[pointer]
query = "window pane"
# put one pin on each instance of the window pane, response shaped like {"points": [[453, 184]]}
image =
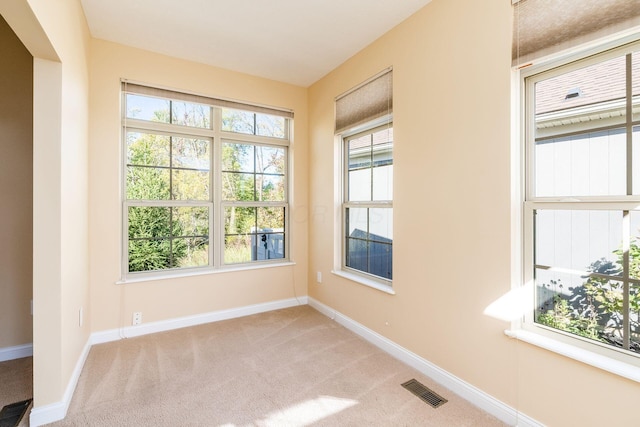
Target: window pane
{"points": [[238, 121], [268, 246], [591, 164], [191, 114], [587, 241], [190, 185], [381, 224], [634, 317], [191, 222], [238, 249], [190, 252], [267, 125], [191, 153], [635, 76], [360, 152], [369, 240], [579, 305], [239, 220], [634, 245], [147, 108], [145, 222], [380, 259], [360, 185], [238, 186], [270, 188], [238, 157], [383, 183], [145, 183], [147, 149], [270, 160], [149, 255], [561, 100], [357, 222], [270, 219], [357, 254], [636, 160]]}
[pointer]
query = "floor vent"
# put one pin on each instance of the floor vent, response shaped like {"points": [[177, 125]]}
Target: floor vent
{"points": [[424, 393], [11, 415]]}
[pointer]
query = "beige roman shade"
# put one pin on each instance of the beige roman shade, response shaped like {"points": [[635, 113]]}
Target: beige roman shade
{"points": [[544, 27], [368, 101]]}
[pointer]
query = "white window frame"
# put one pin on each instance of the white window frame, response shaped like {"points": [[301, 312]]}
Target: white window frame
{"points": [[615, 360], [368, 279], [215, 204]]}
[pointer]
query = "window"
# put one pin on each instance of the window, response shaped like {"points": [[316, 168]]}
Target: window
{"points": [[368, 210], [364, 123], [205, 185], [582, 200]]}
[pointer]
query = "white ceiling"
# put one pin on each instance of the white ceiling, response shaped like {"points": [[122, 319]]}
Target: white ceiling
{"points": [[293, 41]]}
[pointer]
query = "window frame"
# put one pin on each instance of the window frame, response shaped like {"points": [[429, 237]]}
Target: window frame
{"points": [[365, 278], [215, 203], [616, 360]]}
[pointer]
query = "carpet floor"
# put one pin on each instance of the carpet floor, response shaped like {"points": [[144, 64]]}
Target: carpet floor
{"points": [[291, 367], [16, 383]]}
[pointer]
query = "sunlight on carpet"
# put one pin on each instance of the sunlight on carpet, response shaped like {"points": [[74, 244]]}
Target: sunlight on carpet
{"points": [[306, 413]]}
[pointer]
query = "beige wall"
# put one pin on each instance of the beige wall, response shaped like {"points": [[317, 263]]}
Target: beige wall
{"points": [[56, 34], [112, 305], [16, 193], [452, 257]]}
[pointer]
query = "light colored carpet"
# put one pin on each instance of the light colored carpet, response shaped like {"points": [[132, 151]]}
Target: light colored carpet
{"points": [[292, 367], [16, 383]]}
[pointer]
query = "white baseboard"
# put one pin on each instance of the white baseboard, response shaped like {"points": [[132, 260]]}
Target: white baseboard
{"points": [[16, 352], [56, 411], [198, 319], [463, 389]]}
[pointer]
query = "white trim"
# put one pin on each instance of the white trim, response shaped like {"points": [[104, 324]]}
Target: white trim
{"points": [[591, 358], [198, 319], [186, 272], [463, 389], [361, 279], [16, 352], [57, 411]]}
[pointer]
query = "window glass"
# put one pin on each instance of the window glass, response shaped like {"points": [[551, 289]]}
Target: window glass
{"points": [[253, 123], [148, 108], [368, 195]]}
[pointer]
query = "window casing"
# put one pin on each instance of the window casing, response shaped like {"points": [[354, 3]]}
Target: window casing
{"points": [[367, 208], [581, 210], [205, 183]]}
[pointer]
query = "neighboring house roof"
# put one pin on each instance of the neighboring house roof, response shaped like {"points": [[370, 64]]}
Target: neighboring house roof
{"points": [[574, 101]]}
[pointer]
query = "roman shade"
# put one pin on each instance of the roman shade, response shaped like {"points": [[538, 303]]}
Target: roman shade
{"points": [[368, 101], [545, 27]]}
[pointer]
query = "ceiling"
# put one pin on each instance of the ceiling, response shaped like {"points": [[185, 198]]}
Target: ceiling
{"points": [[293, 41]]}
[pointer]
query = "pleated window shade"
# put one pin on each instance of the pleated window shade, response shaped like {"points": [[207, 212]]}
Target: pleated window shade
{"points": [[371, 100], [199, 99], [545, 27]]}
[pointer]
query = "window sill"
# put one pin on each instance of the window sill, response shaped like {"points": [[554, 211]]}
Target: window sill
{"points": [[365, 281], [199, 272], [618, 367]]}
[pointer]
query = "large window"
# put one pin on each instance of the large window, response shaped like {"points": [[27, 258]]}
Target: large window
{"points": [[582, 199], [205, 185]]}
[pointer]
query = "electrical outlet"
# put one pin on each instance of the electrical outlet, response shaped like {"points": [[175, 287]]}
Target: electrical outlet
{"points": [[319, 277], [80, 317], [137, 318]]}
